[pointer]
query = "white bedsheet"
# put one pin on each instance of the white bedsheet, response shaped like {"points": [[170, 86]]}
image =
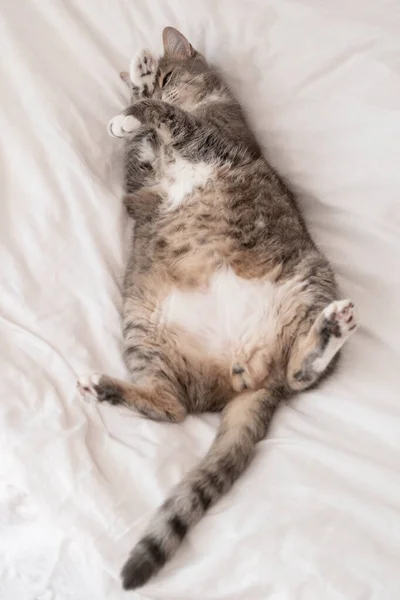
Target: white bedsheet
{"points": [[317, 516]]}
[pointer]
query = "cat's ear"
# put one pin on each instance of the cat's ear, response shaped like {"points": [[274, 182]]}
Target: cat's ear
{"points": [[176, 45], [126, 78]]}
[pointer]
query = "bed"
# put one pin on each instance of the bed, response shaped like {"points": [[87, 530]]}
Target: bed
{"points": [[317, 515]]}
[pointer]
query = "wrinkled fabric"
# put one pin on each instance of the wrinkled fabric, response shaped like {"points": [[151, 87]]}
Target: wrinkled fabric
{"points": [[317, 515]]}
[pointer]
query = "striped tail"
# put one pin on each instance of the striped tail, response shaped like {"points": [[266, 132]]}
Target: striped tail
{"points": [[244, 422]]}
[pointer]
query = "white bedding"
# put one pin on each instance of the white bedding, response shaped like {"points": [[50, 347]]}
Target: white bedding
{"points": [[317, 516]]}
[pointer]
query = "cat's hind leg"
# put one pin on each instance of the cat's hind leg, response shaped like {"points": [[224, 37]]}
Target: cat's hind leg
{"points": [[154, 389], [314, 352], [156, 402]]}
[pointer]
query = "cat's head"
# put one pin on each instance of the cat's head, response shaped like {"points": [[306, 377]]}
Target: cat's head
{"points": [[181, 70], [183, 76]]}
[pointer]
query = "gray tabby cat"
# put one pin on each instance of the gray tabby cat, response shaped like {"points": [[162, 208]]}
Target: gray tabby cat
{"points": [[228, 304]]}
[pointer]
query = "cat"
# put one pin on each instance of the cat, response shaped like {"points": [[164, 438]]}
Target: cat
{"points": [[228, 304]]}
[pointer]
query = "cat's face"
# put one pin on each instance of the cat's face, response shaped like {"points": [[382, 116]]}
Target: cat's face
{"points": [[180, 78], [179, 75]]}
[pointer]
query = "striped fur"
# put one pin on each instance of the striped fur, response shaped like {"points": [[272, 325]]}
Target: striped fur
{"points": [[228, 304], [244, 422]]}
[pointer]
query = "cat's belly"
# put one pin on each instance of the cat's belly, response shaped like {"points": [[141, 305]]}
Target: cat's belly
{"points": [[232, 315]]}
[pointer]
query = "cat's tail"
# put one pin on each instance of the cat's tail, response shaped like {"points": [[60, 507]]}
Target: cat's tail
{"points": [[244, 422]]}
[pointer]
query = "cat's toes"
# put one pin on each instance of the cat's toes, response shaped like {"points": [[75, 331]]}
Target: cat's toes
{"points": [[101, 388], [340, 318], [237, 378], [86, 385], [241, 378], [249, 372], [143, 70], [122, 126]]}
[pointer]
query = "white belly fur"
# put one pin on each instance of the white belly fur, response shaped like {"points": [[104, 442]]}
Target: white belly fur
{"points": [[232, 315]]}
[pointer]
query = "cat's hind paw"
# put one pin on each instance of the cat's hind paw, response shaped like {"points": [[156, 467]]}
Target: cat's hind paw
{"points": [[340, 319], [249, 372], [100, 388], [86, 386], [242, 378]]}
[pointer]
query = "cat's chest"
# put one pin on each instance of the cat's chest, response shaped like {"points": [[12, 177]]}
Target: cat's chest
{"points": [[180, 178]]}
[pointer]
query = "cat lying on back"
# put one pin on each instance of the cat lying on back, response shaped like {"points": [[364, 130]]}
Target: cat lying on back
{"points": [[228, 304]]}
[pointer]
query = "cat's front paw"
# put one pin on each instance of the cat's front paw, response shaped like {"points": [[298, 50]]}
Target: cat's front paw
{"points": [[122, 126], [143, 71]]}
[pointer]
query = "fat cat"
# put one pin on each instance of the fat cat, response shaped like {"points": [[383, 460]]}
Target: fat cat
{"points": [[229, 306]]}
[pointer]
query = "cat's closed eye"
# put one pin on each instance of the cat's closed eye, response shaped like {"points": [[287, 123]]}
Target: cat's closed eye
{"points": [[166, 78]]}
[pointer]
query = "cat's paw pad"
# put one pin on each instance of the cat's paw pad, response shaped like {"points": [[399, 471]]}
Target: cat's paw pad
{"points": [[143, 70], [122, 126], [87, 384], [340, 318]]}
